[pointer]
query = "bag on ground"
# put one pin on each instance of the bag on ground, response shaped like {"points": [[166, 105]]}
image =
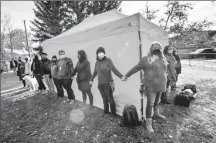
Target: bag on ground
{"points": [[130, 116], [182, 99]]}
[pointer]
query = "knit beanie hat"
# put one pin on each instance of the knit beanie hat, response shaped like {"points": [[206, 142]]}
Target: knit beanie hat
{"points": [[54, 57], [100, 49]]}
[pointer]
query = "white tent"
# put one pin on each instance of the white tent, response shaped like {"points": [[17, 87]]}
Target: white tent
{"points": [[125, 39]]}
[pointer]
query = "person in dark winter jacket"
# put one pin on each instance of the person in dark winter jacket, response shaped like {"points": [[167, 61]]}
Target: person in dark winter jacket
{"points": [[54, 74], [46, 65], [171, 73], [21, 71], [83, 76], [13, 65], [37, 68], [177, 65], [154, 66], [65, 70], [103, 68]]}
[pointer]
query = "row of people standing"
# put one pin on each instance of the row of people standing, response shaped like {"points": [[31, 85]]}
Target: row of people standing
{"points": [[155, 66]]}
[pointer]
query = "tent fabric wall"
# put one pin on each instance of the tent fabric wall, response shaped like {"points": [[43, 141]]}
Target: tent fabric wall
{"points": [[119, 36]]}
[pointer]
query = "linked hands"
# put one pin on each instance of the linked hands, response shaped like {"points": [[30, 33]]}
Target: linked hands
{"points": [[124, 78]]}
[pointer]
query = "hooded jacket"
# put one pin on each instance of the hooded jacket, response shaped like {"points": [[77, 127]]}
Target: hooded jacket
{"points": [[64, 68]]}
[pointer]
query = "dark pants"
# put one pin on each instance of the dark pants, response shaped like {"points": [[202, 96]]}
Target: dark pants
{"points": [[89, 95], [66, 83], [164, 95], [40, 82], [24, 83], [57, 85], [107, 96]]}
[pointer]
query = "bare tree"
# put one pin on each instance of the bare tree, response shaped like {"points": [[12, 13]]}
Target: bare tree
{"points": [[149, 13], [6, 27]]}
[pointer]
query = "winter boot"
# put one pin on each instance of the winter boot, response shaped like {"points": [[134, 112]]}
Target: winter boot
{"points": [[157, 113], [149, 125]]}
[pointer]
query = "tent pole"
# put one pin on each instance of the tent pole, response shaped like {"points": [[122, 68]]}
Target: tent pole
{"points": [[141, 75]]}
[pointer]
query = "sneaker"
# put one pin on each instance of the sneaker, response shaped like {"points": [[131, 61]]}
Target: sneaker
{"points": [[71, 101]]}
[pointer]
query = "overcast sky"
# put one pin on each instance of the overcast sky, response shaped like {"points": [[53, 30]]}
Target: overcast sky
{"points": [[23, 10]]}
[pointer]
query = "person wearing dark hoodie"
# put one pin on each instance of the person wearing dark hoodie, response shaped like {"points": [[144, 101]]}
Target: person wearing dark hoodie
{"points": [[37, 68], [154, 66], [83, 71], [171, 73], [65, 71], [21, 71], [177, 65], [103, 68]]}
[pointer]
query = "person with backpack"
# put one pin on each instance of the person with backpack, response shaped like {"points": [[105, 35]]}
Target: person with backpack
{"points": [[171, 73], [103, 68], [65, 71], [177, 65], [47, 78], [154, 66], [83, 71]]}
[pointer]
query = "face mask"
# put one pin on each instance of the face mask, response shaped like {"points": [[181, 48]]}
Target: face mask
{"points": [[26, 59], [170, 51], [78, 56], [156, 52], [61, 56], [101, 55]]}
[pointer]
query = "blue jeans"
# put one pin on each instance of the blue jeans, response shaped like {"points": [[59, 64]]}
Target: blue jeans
{"points": [[153, 99]]}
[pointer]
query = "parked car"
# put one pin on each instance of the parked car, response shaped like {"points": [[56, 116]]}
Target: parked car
{"points": [[203, 53]]}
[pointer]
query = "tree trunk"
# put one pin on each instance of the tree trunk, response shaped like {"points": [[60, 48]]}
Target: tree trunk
{"points": [[169, 16]]}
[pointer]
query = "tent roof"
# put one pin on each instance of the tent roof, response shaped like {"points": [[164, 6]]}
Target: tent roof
{"points": [[108, 24]]}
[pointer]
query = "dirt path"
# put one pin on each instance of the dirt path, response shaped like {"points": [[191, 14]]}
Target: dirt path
{"points": [[45, 118]]}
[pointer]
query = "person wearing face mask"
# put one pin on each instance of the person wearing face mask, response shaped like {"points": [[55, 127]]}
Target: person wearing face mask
{"points": [[21, 71], [65, 71], [54, 74], [171, 73], [83, 76], [103, 68], [46, 65], [154, 66]]}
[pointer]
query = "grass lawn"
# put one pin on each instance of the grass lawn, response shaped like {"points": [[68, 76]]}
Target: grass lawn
{"points": [[46, 119]]}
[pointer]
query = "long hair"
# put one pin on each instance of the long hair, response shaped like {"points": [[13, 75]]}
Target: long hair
{"points": [[166, 48], [82, 54], [151, 58]]}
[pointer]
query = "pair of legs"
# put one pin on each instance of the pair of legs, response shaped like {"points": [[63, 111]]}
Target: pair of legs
{"points": [[40, 82], [107, 96], [153, 99], [88, 91], [66, 84], [48, 83], [164, 95]]}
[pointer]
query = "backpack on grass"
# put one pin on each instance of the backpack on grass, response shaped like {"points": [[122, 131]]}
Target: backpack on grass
{"points": [[130, 116]]}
